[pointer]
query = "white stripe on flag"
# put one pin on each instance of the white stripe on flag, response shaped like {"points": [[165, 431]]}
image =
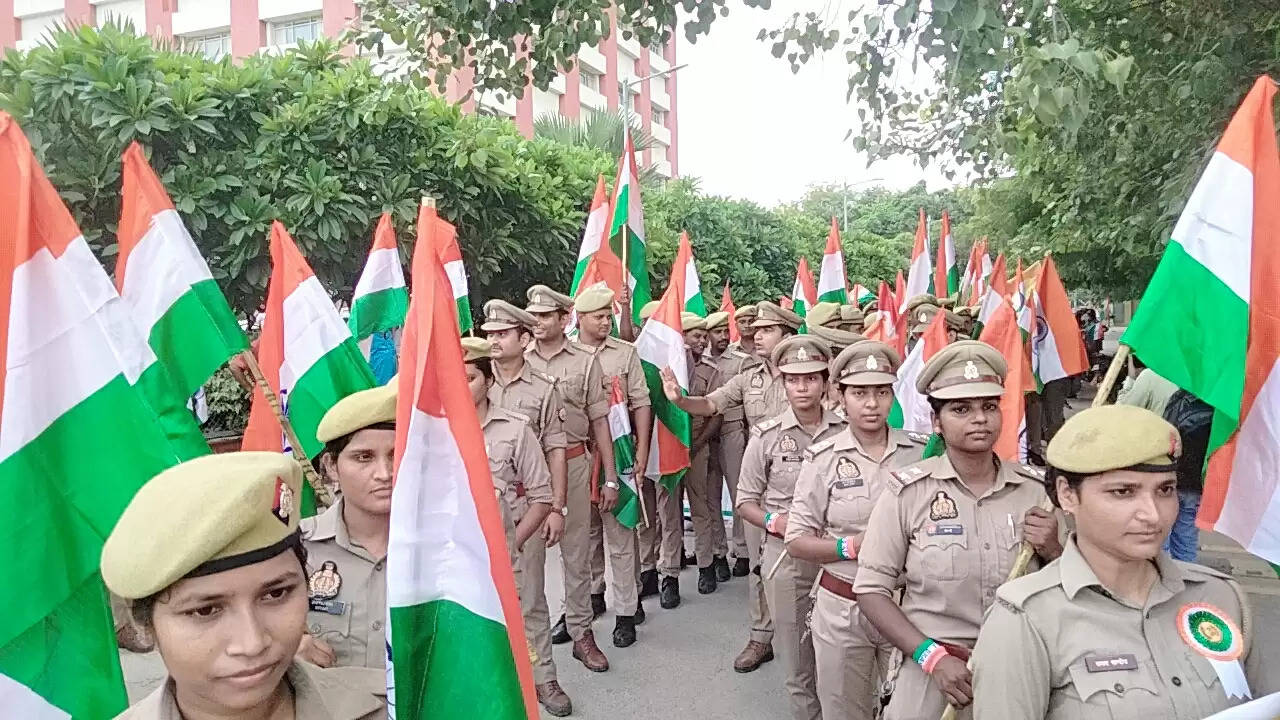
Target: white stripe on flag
{"points": [[162, 268], [382, 272], [66, 322], [597, 222], [831, 274], [312, 327], [457, 278], [20, 701], [919, 279], [1253, 477], [662, 346], [440, 551], [1220, 235], [917, 415], [1045, 358], [692, 287]]}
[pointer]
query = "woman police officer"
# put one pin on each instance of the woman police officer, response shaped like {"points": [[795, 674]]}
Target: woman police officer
{"points": [[1115, 628]]}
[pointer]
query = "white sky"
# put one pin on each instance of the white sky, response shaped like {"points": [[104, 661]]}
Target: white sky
{"points": [[749, 128]]}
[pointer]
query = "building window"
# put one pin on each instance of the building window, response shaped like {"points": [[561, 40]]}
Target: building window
{"points": [[659, 116], [590, 78], [214, 47], [292, 32]]}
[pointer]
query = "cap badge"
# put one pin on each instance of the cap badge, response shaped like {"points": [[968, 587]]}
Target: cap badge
{"points": [[788, 444], [970, 370], [846, 469], [325, 583], [283, 506], [871, 363], [802, 355], [757, 381], [1174, 452], [923, 316], [943, 507]]}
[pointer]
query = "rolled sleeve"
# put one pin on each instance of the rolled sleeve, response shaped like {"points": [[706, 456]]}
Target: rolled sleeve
{"points": [[597, 402], [752, 479], [883, 554], [637, 388], [532, 468], [1010, 667], [809, 505]]}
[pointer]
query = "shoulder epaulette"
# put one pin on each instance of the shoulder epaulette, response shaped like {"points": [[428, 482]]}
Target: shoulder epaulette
{"points": [[771, 423], [899, 479], [818, 448], [1014, 594], [1202, 572], [921, 438], [1029, 471], [618, 342]]}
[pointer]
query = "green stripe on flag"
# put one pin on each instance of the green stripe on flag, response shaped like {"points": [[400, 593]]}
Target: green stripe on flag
{"points": [[195, 336], [379, 311], [465, 321], [465, 660], [675, 419], [895, 415], [836, 296], [171, 411]]}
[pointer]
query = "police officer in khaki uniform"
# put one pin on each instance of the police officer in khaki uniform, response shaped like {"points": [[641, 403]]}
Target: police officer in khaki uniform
{"points": [[759, 390], [581, 385], [765, 491], [850, 319], [618, 360], [823, 314], [697, 480], [347, 543], [520, 475], [839, 483], [836, 340], [948, 528], [1115, 628], [744, 317], [727, 448], [225, 527]]}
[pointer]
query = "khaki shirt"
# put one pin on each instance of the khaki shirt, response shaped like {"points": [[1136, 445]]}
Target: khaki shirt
{"points": [[760, 393], [351, 616], [1057, 645], [729, 364], [518, 468], [342, 693], [838, 486], [703, 376], [581, 385], [773, 457], [951, 550], [619, 359], [534, 396]]}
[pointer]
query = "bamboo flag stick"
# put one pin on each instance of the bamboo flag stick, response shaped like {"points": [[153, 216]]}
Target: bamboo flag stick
{"points": [[323, 496], [1113, 372]]}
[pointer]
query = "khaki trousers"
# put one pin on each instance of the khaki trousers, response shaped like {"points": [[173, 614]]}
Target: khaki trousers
{"points": [[531, 574], [733, 445], [916, 697], [597, 553], [697, 482], [620, 544], [851, 662], [757, 603], [648, 534], [575, 547], [670, 531], [789, 593]]}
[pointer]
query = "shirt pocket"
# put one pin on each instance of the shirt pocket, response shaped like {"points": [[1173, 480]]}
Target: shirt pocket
{"points": [[943, 556], [1118, 694], [848, 508], [332, 627], [755, 406]]}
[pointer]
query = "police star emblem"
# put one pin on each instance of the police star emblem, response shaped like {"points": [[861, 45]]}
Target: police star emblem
{"points": [[943, 507], [923, 316], [802, 355], [970, 370], [788, 444], [282, 508], [325, 583], [871, 363], [757, 381], [846, 469]]}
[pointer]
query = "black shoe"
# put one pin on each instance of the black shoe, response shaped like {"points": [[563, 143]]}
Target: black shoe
{"points": [[670, 593], [639, 616], [560, 632], [721, 565], [648, 583], [707, 580], [741, 567], [688, 561], [624, 631], [597, 604]]}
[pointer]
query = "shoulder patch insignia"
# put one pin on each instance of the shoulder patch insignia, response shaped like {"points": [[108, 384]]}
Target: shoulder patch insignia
{"points": [[1030, 471], [918, 437], [821, 446], [757, 380], [325, 583], [847, 469]]}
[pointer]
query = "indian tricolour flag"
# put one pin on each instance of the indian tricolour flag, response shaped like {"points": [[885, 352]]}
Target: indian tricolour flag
{"points": [[1003, 334], [627, 226], [627, 511], [920, 274], [307, 355], [174, 301], [451, 257], [593, 236], [693, 300], [661, 346], [456, 643], [1208, 320], [77, 440], [997, 290], [860, 293], [946, 274], [910, 410], [380, 299], [832, 285], [1057, 350], [804, 294]]}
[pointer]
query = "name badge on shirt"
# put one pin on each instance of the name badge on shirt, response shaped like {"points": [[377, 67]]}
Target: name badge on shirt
{"points": [[846, 484], [329, 607], [1110, 663], [793, 458], [936, 530]]}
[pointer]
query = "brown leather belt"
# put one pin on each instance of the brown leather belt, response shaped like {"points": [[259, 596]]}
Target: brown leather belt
{"points": [[519, 489], [575, 450], [836, 586]]}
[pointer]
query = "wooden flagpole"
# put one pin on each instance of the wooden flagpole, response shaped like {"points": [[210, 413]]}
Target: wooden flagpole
{"points": [[323, 496]]}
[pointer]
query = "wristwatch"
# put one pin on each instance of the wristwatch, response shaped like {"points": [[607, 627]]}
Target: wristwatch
{"points": [[612, 484], [562, 511]]}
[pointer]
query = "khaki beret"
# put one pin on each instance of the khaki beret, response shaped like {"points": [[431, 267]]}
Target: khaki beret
{"points": [[768, 314], [866, 362], [824, 313], [967, 311], [918, 300], [357, 411], [800, 354], [543, 299], [717, 319], [948, 301], [474, 348], [851, 314], [963, 369], [746, 311], [649, 309], [1115, 437], [869, 319], [835, 338], [502, 315], [692, 321], [596, 297], [204, 516], [954, 321]]}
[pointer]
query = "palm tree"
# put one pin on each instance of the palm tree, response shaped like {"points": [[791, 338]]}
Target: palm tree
{"points": [[599, 131]]}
